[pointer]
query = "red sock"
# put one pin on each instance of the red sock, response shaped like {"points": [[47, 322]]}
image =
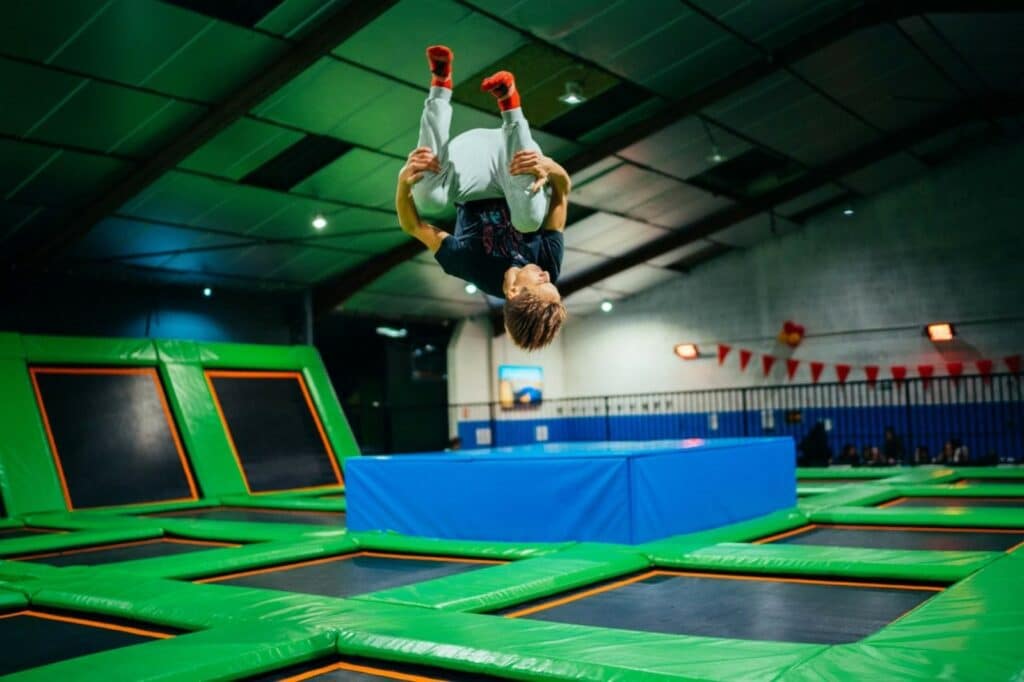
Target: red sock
{"points": [[503, 86], [440, 59]]}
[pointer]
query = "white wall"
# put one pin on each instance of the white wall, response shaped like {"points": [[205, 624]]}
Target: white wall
{"points": [[946, 247]]}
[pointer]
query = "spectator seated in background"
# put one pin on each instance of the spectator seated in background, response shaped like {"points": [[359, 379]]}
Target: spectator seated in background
{"points": [[921, 455], [892, 447], [849, 455], [953, 453], [873, 457], [814, 449]]}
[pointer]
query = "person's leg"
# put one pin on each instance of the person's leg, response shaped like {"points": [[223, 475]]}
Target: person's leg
{"points": [[527, 208], [431, 194]]}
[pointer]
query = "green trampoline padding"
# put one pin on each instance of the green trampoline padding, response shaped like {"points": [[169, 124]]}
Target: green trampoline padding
{"points": [[258, 515]]}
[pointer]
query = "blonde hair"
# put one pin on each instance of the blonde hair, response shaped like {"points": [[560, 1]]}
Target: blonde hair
{"points": [[531, 321]]}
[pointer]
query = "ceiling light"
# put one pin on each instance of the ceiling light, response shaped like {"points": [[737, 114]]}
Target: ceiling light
{"points": [[606, 306], [716, 156], [940, 331], [319, 221], [573, 94], [392, 333], [471, 288], [847, 211], [207, 292], [687, 351]]}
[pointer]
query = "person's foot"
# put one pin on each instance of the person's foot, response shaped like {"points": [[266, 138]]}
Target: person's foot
{"points": [[440, 59], [503, 86]]}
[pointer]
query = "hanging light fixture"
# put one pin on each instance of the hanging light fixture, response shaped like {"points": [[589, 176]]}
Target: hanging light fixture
{"points": [[716, 155], [573, 94]]}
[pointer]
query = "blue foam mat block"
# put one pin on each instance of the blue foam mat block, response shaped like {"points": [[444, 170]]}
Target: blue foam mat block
{"points": [[601, 492]]}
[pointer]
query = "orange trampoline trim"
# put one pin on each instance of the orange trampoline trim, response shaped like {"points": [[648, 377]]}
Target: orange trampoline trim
{"points": [[119, 545], [343, 557], [88, 622], [211, 374], [107, 371], [953, 498], [389, 674], [719, 576]]}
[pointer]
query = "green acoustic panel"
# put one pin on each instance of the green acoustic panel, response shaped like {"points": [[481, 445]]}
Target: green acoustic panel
{"points": [[391, 122], [771, 27], [131, 40], [293, 17], [312, 265], [28, 476], [229, 55], [396, 42], [376, 242], [38, 91], [359, 176], [120, 237], [65, 178], [243, 146], [296, 221], [24, 35], [323, 96], [16, 218]]}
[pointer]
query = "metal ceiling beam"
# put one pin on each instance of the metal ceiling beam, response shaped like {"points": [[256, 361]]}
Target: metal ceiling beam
{"points": [[965, 112], [345, 22], [871, 13]]}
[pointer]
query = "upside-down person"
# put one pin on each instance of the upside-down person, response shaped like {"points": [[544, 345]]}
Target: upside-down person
{"points": [[488, 249], [488, 252]]}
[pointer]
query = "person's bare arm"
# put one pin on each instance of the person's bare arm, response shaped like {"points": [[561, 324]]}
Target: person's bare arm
{"points": [[548, 172], [419, 162]]}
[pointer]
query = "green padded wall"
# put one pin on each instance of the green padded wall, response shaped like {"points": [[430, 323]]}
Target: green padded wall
{"points": [[28, 477]]}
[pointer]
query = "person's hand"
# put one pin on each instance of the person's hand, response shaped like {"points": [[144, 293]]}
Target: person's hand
{"points": [[530, 163], [419, 161]]}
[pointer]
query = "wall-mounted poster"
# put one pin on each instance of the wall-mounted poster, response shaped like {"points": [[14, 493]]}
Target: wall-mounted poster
{"points": [[520, 386]]}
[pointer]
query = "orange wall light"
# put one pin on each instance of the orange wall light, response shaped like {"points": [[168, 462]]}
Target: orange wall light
{"points": [[940, 331], [687, 351]]}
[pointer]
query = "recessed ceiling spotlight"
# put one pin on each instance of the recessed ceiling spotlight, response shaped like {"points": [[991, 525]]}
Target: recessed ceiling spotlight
{"points": [[606, 306], [319, 221], [471, 288], [207, 292], [573, 94], [847, 211]]}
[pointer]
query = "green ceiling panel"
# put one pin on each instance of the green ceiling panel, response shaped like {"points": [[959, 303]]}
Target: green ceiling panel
{"points": [[311, 265], [395, 115], [340, 179], [22, 32], [375, 242], [176, 198], [241, 148], [105, 118], [243, 208], [775, 24], [295, 16], [323, 96], [131, 40], [295, 221], [121, 237], [395, 42], [37, 91], [14, 217], [216, 62], [34, 174]]}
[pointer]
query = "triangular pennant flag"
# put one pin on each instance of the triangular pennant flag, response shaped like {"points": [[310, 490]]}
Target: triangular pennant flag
{"points": [[925, 372], [816, 369], [955, 369], [723, 350], [745, 356], [1013, 363], [791, 367], [767, 361], [872, 373], [985, 370], [842, 371], [899, 372]]}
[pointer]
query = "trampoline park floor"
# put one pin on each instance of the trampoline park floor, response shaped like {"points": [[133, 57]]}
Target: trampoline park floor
{"points": [[781, 609], [953, 501], [902, 537], [121, 551], [352, 669], [258, 515], [351, 574], [33, 638]]}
